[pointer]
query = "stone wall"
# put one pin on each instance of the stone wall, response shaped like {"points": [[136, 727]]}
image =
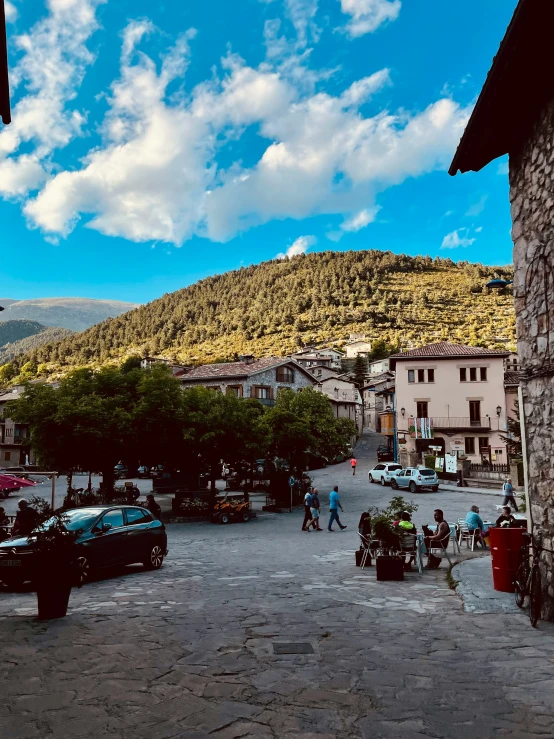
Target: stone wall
{"points": [[532, 199]]}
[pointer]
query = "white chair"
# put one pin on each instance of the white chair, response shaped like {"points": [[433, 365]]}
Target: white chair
{"points": [[464, 534], [409, 545], [366, 548]]}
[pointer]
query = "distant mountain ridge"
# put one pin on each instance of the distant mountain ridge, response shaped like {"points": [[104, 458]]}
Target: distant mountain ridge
{"points": [[274, 307], [76, 314], [48, 335], [11, 331]]}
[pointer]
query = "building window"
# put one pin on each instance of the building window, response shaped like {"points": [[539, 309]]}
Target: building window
{"points": [[475, 412], [463, 374], [483, 371], [473, 374], [422, 410], [484, 445], [469, 444], [421, 375], [285, 374], [319, 373], [411, 375], [235, 390], [262, 393], [431, 375], [7, 456]]}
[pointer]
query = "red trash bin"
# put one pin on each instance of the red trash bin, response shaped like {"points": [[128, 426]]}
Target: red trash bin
{"points": [[506, 555]]}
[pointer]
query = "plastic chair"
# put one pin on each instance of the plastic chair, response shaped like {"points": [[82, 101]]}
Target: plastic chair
{"points": [[440, 551], [464, 534]]}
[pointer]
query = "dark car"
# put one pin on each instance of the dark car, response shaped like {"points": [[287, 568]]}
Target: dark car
{"points": [[107, 536], [384, 454]]}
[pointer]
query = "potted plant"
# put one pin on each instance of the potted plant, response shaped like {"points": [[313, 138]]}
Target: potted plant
{"points": [[55, 570]]}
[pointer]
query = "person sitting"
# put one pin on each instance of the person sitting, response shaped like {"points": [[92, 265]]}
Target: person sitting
{"points": [[506, 519], [405, 526], [26, 519], [153, 507], [437, 540], [4, 523], [476, 526]]}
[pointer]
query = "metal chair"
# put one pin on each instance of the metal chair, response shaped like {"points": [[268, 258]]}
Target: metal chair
{"points": [[367, 551], [464, 534], [409, 545], [440, 551]]}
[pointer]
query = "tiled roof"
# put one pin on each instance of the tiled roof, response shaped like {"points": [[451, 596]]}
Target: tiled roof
{"points": [[511, 378], [444, 349], [235, 369]]}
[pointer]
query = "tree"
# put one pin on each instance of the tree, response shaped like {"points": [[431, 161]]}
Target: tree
{"points": [[360, 371], [513, 437], [382, 349]]}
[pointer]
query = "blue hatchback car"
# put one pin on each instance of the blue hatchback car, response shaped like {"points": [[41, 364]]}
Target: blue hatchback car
{"points": [[415, 479]]}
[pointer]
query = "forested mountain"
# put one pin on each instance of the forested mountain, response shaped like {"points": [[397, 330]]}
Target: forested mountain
{"points": [[15, 330], [77, 314], [274, 307], [47, 335]]}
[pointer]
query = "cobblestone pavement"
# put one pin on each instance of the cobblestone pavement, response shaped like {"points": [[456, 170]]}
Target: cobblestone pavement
{"points": [[189, 651]]}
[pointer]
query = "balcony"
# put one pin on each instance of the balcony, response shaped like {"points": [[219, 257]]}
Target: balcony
{"points": [[462, 423], [270, 402]]}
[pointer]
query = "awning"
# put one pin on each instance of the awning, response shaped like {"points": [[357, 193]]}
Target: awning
{"points": [[7, 482]]}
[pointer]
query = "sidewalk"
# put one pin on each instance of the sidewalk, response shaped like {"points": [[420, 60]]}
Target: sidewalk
{"points": [[479, 491], [475, 587]]}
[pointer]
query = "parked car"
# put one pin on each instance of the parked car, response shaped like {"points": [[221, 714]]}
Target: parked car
{"points": [[120, 470], [143, 472], [415, 479], [384, 454], [107, 536], [384, 473]]}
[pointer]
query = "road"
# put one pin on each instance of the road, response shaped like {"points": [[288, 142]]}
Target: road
{"points": [[191, 651]]}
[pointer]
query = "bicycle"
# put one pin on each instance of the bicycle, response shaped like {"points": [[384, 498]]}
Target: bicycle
{"points": [[527, 582]]}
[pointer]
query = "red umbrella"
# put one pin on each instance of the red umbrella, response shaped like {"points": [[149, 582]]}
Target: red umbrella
{"points": [[7, 482]]}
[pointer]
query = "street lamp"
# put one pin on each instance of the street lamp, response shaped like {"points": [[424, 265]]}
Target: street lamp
{"points": [[498, 410], [403, 412]]}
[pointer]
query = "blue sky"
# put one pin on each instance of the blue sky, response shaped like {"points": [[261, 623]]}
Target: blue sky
{"points": [[154, 144]]}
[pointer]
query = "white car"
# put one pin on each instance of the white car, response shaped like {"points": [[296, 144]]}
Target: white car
{"points": [[384, 472]]}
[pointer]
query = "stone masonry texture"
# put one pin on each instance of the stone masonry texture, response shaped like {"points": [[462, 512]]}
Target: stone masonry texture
{"points": [[532, 207]]}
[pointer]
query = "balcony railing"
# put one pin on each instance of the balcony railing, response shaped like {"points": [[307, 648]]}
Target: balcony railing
{"points": [[461, 422]]}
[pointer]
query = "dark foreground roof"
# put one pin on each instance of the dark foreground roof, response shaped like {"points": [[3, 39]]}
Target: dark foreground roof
{"points": [[4, 84], [518, 85]]}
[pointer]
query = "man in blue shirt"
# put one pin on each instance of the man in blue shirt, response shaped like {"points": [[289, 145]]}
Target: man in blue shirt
{"points": [[334, 505], [509, 498], [475, 524]]}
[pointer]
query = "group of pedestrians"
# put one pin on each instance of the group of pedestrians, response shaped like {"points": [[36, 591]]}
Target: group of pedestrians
{"points": [[312, 508]]}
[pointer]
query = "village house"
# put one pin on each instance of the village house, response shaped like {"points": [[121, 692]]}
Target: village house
{"points": [[15, 447], [345, 398], [313, 357], [377, 395], [514, 115], [358, 348], [323, 373], [250, 378], [451, 396]]}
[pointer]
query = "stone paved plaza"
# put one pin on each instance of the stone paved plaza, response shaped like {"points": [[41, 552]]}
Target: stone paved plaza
{"points": [[190, 651]]}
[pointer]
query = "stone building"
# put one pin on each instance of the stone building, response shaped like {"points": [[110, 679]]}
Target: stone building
{"points": [[250, 378], [515, 115]]}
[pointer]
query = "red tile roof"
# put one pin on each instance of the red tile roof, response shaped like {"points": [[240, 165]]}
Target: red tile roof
{"points": [[511, 378], [237, 369], [444, 349]]}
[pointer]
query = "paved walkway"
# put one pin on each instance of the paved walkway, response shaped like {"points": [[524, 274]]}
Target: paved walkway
{"points": [[194, 650]]}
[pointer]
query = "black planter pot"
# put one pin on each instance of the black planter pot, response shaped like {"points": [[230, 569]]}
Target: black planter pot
{"points": [[53, 600]]}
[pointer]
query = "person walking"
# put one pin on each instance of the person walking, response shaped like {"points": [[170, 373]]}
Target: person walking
{"points": [[508, 490], [306, 523], [334, 505], [315, 510], [353, 464]]}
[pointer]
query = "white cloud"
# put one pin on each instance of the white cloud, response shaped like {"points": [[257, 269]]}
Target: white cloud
{"points": [[300, 246], [478, 207], [302, 14], [368, 15], [155, 173], [458, 239], [360, 220], [11, 11], [51, 69]]}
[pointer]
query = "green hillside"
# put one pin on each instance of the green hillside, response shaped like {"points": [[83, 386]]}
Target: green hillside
{"points": [[47, 335], [274, 307]]}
